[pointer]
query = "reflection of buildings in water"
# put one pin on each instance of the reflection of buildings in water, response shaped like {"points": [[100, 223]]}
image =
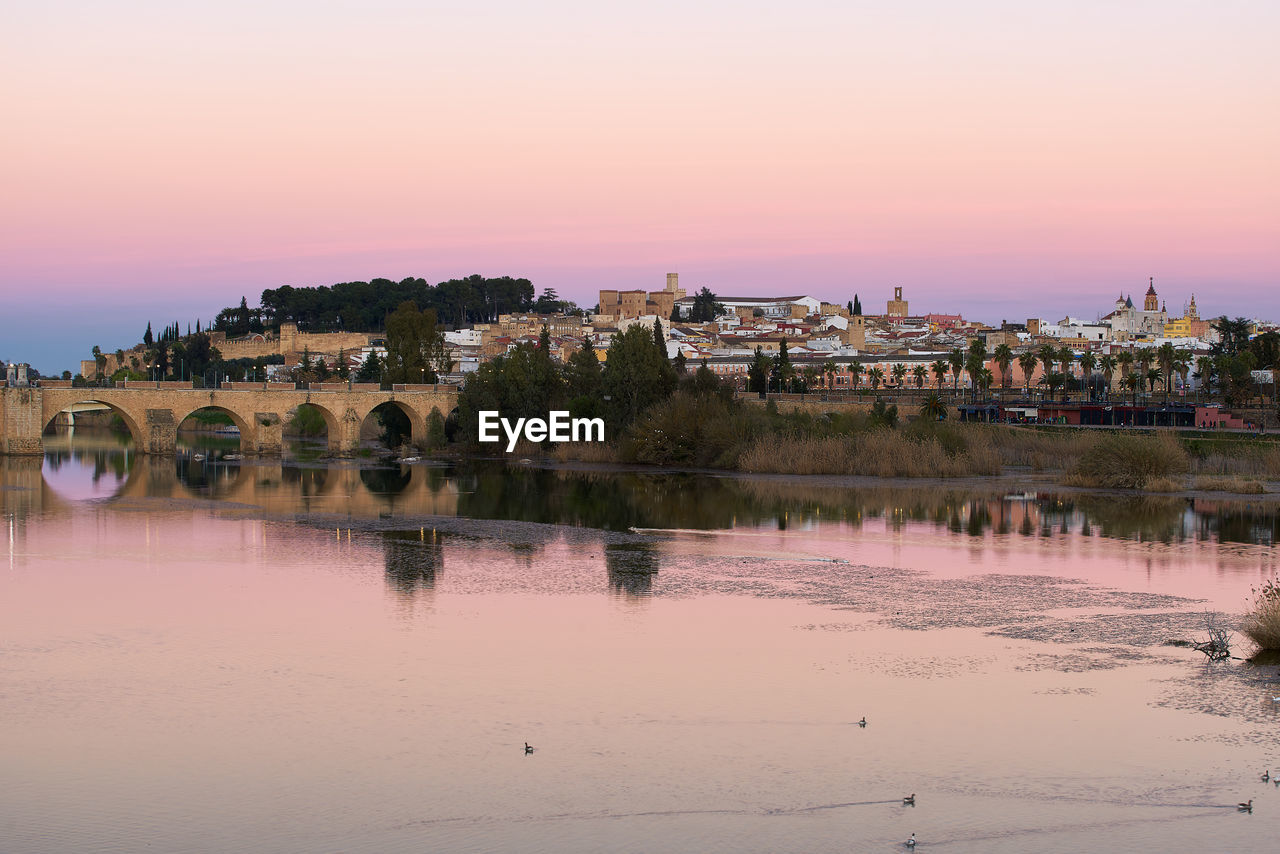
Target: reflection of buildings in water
{"points": [[412, 559], [631, 568]]}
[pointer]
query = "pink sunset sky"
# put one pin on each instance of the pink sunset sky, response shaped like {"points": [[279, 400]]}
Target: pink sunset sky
{"points": [[1000, 159]]}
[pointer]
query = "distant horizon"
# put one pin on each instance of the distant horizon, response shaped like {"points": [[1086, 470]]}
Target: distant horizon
{"points": [[997, 159], [118, 334]]}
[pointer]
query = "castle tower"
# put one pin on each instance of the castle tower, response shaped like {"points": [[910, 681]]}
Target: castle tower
{"points": [[673, 286], [1152, 302], [897, 306]]}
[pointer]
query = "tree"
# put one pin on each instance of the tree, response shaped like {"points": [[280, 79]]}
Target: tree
{"points": [[857, 306], [636, 374], [101, 361], [1087, 363], [920, 372], [658, 340], [939, 368], [783, 372], [1108, 365], [342, 369], [855, 374], [1003, 356], [705, 307], [1066, 358], [1166, 355], [548, 303], [370, 370], [1233, 335], [416, 351], [1266, 353], [973, 363], [147, 338], [956, 359], [1027, 361], [876, 375], [582, 373], [933, 408], [899, 372], [758, 372]]}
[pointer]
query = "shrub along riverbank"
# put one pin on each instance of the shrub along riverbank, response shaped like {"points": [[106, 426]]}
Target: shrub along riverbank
{"points": [[663, 413], [710, 431]]}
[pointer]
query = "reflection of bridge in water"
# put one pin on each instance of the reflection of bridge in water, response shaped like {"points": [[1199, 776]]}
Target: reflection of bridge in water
{"points": [[152, 415], [280, 489]]}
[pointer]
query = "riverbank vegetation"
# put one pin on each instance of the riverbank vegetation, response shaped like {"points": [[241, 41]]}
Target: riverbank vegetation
{"points": [[668, 414], [1262, 623]]}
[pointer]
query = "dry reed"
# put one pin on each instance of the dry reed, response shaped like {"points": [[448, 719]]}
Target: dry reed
{"points": [[1262, 624]]}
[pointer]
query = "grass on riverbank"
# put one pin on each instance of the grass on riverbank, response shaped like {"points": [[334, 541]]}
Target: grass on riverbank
{"points": [[1262, 624], [708, 431]]}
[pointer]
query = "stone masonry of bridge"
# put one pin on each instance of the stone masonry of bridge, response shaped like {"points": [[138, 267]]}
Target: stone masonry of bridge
{"points": [[153, 414]]}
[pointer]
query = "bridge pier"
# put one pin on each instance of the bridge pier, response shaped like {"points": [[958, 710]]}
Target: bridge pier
{"points": [[21, 421], [161, 432], [267, 438]]}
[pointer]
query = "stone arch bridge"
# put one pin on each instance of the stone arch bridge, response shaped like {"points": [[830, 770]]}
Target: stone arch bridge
{"points": [[153, 414]]}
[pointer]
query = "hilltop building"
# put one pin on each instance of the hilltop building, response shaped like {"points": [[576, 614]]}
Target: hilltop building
{"points": [[897, 306], [1126, 321], [622, 304]]}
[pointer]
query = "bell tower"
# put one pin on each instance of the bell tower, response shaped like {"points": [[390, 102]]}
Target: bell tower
{"points": [[1152, 302]]}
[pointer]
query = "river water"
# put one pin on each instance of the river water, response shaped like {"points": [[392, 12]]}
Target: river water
{"points": [[208, 655]]}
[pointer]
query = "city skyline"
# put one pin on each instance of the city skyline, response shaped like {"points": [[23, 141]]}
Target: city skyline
{"points": [[996, 161]]}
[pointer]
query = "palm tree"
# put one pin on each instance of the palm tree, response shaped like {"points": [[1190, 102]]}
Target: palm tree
{"points": [[973, 364], [828, 373], [1132, 382], [1087, 363], [939, 368], [1144, 358], [1048, 357], [1206, 373], [855, 373], [1166, 356], [933, 408], [1154, 376], [956, 359], [1182, 367], [899, 374], [1027, 361], [919, 372], [1108, 365], [1053, 380], [1003, 357], [985, 379], [1125, 360], [1066, 358], [876, 375]]}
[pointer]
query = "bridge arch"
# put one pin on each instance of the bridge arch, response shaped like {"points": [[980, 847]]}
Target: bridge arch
{"points": [[246, 426], [417, 424], [136, 433]]}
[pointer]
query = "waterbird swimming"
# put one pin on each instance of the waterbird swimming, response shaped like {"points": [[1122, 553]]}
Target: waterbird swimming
{"points": [[1247, 806], [527, 748], [911, 843], [909, 800], [1266, 776], [863, 723]]}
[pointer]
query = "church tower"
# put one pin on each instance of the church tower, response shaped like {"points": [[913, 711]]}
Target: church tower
{"points": [[1192, 313], [1152, 302]]}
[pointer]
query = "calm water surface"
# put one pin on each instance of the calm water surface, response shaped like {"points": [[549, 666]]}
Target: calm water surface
{"points": [[208, 656]]}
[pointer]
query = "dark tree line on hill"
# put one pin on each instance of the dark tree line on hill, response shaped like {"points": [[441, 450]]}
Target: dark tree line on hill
{"points": [[365, 306]]}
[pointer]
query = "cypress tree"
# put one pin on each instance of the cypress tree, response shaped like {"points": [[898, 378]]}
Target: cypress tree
{"points": [[857, 306], [658, 340], [147, 338]]}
